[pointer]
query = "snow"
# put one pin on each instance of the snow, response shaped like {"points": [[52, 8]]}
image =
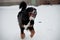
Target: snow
{"points": [[47, 23]]}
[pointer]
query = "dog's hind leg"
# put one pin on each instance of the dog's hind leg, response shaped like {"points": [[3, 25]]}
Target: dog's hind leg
{"points": [[21, 27], [22, 32]]}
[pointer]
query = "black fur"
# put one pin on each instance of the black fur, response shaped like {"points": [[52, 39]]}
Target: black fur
{"points": [[32, 22], [23, 16], [23, 5]]}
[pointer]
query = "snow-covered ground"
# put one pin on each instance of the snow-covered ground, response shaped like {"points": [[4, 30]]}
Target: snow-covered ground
{"points": [[47, 23]]}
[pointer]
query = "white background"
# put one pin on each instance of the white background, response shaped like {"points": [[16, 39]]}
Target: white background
{"points": [[47, 23]]}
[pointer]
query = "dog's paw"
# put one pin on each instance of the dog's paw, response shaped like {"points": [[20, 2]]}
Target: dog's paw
{"points": [[23, 36], [32, 34]]}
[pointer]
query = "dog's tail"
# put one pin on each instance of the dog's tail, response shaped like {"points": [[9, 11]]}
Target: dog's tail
{"points": [[23, 5]]}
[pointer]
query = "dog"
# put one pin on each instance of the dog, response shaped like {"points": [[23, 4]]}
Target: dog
{"points": [[26, 19]]}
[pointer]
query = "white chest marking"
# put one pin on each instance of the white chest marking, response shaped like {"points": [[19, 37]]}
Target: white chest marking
{"points": [[31, 18], [25, 26]]}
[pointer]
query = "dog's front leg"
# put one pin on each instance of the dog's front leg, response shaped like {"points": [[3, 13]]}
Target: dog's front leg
{"points": [[32, 33], [31, 29]]}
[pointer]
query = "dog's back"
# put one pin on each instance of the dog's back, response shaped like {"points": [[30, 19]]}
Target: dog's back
{"points": [[22, 15]]}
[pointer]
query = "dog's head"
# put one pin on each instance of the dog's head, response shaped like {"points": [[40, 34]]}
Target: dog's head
{"points": [[32, 13]]}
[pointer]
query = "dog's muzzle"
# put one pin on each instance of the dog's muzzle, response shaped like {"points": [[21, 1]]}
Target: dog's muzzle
{"points": [[32, 16]]}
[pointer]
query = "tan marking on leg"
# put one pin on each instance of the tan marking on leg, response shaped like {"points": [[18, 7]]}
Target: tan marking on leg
{"points": [[23, 36], [32, 33]]}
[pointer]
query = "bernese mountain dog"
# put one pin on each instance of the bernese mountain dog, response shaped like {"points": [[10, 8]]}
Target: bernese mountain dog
{"points": [[26, 19]]}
